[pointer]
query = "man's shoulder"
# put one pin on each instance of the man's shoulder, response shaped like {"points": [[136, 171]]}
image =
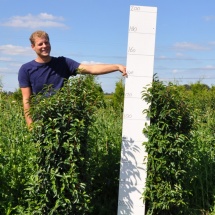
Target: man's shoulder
{"points": [[59, 58], [65, 60], [28, 64]]}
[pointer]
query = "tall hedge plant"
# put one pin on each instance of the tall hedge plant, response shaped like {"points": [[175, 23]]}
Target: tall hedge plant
{"points": [[61, 184], [169, 149]]}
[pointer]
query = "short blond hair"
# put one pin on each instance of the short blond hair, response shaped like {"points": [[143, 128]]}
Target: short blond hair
{"points": [[40, 34]]}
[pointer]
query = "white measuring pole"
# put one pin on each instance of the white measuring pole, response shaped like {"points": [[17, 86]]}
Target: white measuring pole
{"points": [[140, 63]]}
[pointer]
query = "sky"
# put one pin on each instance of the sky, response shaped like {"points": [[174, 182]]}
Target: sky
{"points": [[96, 31]]}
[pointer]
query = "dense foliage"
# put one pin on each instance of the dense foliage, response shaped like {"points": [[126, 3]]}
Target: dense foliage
{"points": [[69, 162], [180, 176]]}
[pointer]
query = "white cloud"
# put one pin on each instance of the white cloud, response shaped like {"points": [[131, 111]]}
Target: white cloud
{"points": [[179, 54], [209, 67], [212, 43], [4, 69], [5, 59], [189, 46], [15, 50], [204, 69], [9, 69], [90, 62], [162, 57], [209, 18], [175, 71], [35, 21]]}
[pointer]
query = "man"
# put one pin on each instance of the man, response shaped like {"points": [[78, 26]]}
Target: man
{"points": [[47, 70]]}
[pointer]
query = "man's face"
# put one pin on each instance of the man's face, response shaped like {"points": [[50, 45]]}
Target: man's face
{"points": [[42, 46]]}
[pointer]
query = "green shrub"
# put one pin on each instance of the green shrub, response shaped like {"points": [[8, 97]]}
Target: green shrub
{"points": [[69, 163], [169, 149], [16, 155], [60, 185], [105, 139], [118, 95]]}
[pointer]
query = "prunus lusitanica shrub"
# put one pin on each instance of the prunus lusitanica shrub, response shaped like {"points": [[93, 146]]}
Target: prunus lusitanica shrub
{"points": [[168, 149], [60, 133]]}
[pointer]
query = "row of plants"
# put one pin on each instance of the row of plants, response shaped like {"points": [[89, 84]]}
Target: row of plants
{"points": [[181, 141], [69, 162]]}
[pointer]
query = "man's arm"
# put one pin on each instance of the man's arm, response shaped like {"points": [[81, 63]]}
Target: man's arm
{"points": [[100, 69], [26, 94]]}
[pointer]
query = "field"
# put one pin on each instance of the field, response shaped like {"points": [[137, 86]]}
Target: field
{"points": [[69, 162]]}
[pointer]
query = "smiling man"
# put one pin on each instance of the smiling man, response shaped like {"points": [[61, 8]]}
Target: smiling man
{"points": [[48, 70]]}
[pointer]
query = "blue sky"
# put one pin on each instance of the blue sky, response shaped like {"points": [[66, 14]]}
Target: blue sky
{"points": [[96, 31]]}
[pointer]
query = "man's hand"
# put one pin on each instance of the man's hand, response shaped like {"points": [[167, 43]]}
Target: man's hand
{"points": [[122, 69]]}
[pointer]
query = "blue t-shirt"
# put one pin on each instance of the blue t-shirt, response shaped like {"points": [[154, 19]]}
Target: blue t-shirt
{"points": [[38, 75]]}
